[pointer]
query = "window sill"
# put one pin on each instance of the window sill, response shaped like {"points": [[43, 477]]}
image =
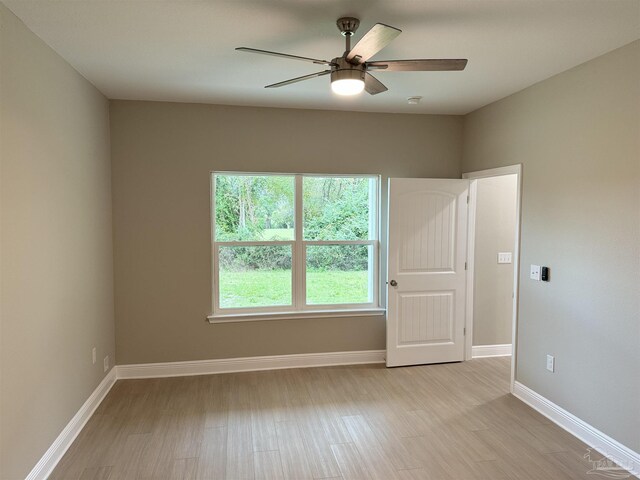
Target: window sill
{"points": [[255, 317]]}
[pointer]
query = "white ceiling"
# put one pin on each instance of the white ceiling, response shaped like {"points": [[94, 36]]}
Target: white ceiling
{"points": [[183, 50]]}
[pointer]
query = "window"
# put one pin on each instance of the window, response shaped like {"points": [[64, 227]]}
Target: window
{"points": [[289, 244]]}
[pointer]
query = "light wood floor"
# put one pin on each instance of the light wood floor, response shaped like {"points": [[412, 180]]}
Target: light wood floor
{"points": [[454, 421]]}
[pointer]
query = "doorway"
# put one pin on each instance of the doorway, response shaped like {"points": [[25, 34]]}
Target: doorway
{"points": [[431, 274], [493, 253]]}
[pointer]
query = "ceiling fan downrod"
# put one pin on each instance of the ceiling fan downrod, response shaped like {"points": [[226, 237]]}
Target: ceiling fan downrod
{"points": [[347, 27]]}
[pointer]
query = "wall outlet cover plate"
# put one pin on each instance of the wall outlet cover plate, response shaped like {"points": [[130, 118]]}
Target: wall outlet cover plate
{"points": [[551, 363]]}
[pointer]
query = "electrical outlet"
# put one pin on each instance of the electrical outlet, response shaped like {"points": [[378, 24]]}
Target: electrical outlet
{"points": [[504, 257], [535, 273], [551, 363], [106, 363], [93, 355]]}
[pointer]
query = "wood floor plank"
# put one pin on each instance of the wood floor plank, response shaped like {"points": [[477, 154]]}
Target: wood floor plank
{"points": [[183, 469], [268, 465], [571, 465], [160, 451], [420, 474], [351, 463], [326, 401], [437, 458], [365, 440], [111, 444], [96, 473], [128, 463], [211, 463], [239, 458], [296, 395], [293, 454], [389, 440], [321, 458], [239, 463], [263, 425], [213, 400], [434, 422]]}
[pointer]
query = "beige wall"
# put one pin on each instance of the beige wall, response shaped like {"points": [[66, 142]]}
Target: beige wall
{"points": [[493, 282], [162, 155], [56, 244], [577, 136]]}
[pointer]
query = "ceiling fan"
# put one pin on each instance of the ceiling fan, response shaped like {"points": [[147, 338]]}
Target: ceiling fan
{"points": [[350, 72]]}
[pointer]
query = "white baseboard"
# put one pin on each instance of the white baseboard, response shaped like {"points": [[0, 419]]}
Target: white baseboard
{"points": [[248, 364], [610, 448], [61, 444], [480, 351], [175, 369]]}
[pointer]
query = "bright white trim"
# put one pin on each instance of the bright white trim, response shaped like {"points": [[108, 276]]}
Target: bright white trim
{"points": [[254, 317], [481, 351], [255, 243], [299, 259], [289, 174], [249, 364], [340, 242], [471, 262], [496, 172], [612, 449], [54, 454]]}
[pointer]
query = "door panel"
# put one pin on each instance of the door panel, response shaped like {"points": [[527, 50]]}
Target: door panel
{"points": [[426, 236], [427, 254], [425, 317]]}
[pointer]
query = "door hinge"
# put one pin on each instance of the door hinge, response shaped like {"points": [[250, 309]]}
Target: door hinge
{"points": [[467, 198], [465, 265], [464, 331]]}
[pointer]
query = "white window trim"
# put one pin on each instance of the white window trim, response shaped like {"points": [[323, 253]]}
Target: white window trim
{"points": [[298, 309], [254, 317]]}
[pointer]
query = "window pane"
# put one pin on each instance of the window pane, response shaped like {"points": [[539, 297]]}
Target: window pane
{"points": [[339, 274], [255, 276], [339, 208], [254, 208]]}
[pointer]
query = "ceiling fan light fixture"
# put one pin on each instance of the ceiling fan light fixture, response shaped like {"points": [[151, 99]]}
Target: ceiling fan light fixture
{"points": [[347, 86], [347, 82]]}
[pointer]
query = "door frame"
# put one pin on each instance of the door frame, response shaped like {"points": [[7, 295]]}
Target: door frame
{"points": [[473, 190]]}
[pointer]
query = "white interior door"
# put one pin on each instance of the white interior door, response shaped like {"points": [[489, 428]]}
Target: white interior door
{"points": [[426, 270]]}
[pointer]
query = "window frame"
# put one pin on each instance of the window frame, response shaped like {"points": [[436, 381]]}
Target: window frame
{"points": [[298, 307]]}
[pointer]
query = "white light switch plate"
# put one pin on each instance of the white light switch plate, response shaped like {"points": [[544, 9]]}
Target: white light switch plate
{"points": [[535, 273], [504, 257]]}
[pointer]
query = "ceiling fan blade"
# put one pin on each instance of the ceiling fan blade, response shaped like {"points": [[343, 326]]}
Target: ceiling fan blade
{"points": [[283, 55], [372, 85], [373, 41], [298, 79], [424, 65]]}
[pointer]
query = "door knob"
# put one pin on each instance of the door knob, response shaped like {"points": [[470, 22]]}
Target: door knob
{"points": [[393, 283]]}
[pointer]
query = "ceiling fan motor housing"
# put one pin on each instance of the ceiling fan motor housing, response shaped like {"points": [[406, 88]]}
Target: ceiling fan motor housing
{"points": [[341, 69]]}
